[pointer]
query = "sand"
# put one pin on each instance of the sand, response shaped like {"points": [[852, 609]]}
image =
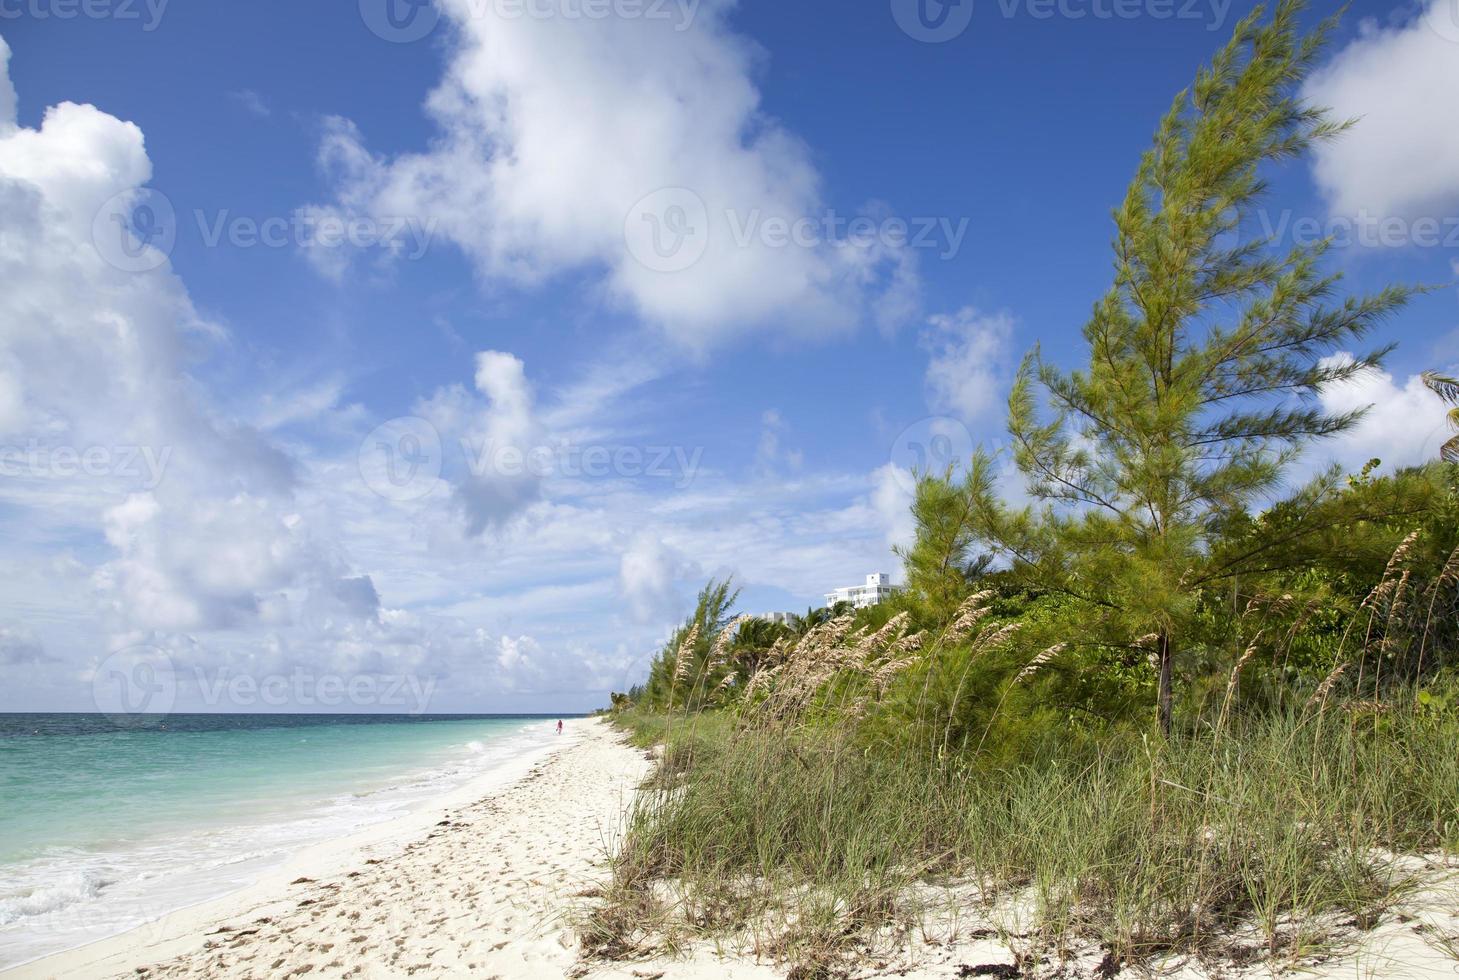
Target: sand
{"points": [[475, 885], [486, 883]]}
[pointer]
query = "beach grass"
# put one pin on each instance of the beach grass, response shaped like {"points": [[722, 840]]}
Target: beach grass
{"points": [[1268, 838]]}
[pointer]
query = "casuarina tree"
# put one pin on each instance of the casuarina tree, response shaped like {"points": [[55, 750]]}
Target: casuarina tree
{"points": [[1205, 360]]}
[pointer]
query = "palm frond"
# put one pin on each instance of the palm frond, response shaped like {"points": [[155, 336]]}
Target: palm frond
{"points": [[1442, 385]]}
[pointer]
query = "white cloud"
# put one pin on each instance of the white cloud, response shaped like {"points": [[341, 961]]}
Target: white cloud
{"points": [[504, 445], [968, 364], [12, 402], [7, 92], [1405, 424], [651, 578], [191, 523], [18, 646], [891, 498], [614, 382], [209, 563], [252, 103], [304, 404], [560, 141], [260, 547], [1402, 158], [105, 354], [771, 453]]}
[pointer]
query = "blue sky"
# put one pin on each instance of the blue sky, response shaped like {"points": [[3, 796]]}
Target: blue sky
{"points": [[748, 406]]}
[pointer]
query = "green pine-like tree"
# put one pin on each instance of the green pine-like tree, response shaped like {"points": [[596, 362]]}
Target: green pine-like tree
{"points": [[940, 563], [1204, 360], [680, 674]]}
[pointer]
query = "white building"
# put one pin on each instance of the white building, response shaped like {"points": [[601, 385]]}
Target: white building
{"points": [[878, 588], [783, 618]]}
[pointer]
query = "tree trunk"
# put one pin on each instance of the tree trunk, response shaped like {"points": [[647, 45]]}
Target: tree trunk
{"points": [[1166, 694]]}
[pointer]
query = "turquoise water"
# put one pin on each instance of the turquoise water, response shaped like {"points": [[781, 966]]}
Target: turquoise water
{"points": [[104, 828]]}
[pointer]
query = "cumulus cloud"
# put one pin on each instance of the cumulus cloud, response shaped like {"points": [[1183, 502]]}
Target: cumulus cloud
{"points": [[256, 544], [968, 362], [504, 446], [197, 510], [212, 543], [651, 578], [634, 150], [1405, 424], [19, 646], [1402, 158], [216, 563], [891, 499]]}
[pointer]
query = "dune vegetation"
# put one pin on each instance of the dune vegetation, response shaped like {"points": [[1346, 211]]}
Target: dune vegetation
{"points": [[1145, 691]]}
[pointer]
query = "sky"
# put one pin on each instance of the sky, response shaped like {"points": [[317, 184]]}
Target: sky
{"points": [[389, 355]]}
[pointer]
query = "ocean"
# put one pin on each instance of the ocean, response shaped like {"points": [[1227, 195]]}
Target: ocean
{"points": [[104, 828]]}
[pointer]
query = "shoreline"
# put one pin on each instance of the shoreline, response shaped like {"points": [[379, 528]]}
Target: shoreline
{"points": [[263, 842], [168, 944], [483, 881]]}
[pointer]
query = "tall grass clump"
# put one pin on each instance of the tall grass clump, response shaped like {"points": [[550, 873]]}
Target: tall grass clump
{"points": [[861, 778], [1280, 829]]}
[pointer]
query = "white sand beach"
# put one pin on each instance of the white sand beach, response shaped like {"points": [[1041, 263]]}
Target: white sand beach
{"points": [[484, 884], [475, 885]]}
